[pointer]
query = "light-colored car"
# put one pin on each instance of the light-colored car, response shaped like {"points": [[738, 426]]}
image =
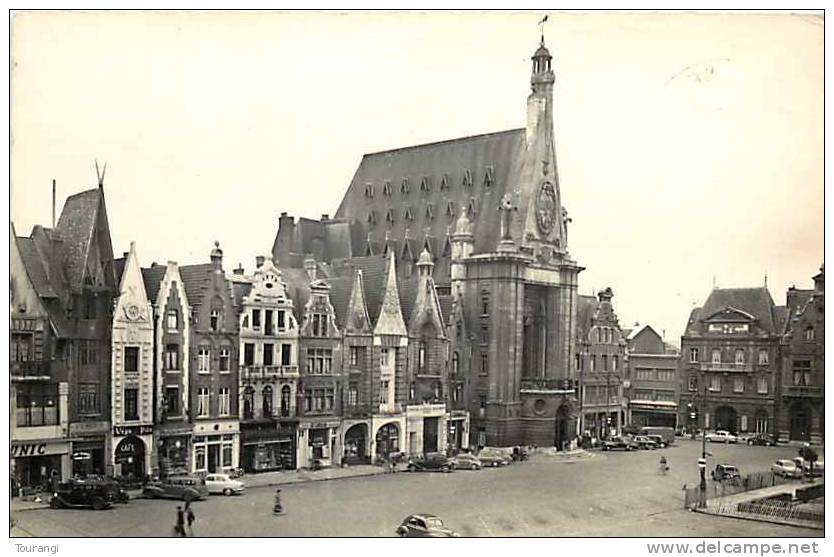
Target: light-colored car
{"points": [[494, 457], [465, 461], [424, 525], [786, 468], [225, 484], [819, 466], [721, 436]]}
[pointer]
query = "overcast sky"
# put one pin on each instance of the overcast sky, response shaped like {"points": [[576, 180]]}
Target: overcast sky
{"points": [[689, 146]]}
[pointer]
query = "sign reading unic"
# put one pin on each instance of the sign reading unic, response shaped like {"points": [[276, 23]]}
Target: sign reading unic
{"points": [[36, 449]]}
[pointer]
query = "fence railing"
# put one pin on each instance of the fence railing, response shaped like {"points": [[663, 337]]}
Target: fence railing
{"points": [[715, 490]]}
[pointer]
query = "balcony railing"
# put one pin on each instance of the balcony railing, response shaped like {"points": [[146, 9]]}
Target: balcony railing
{"points": [[803, 391], [31, 370], [268, 372], [727, 366], [553, 385]]}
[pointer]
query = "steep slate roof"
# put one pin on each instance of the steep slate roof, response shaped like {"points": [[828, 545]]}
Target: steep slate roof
{"points": [[153, 278], [586, 306], [75, 226], [34, 267], [502, 151], [755, 301], [194, 279]]}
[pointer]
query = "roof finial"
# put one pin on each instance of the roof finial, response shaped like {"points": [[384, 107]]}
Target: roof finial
{"points": [[541, 24], [765, 282], [100, 175]]}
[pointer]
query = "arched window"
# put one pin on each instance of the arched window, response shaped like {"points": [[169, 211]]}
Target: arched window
{"points": [[422, 355], [248, 403], [809, 334], [285, 400], [437, 390], [455, 362], [266, 393], [412, 391]]}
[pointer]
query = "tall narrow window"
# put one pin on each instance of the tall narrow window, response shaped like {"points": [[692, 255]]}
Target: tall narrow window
{"points": [[203, 399], [131, 403], [763, 357], [739, 356], [172, 319], [172, 401], [172, 357], [693, 355], [224, 402], [248, 354], [248, 403], [268, 327], [285, 400], [281, 320], [455, 362], [215, 320], [484, 364], [285, 354], [203, 359], [256, 319], [223, 360], [268, 353], [131, 359], [267, 401], [716, 356], [809, 334]]}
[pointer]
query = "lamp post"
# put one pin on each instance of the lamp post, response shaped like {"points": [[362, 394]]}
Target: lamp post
{"points": [[702, 462]]}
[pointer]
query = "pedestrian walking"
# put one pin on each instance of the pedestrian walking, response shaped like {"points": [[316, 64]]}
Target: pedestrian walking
{"points": [[179, 526], [189, 517], [277, 507]]}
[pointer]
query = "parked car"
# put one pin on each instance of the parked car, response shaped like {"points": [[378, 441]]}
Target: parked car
{"points": [[428, 463], [721, 436], [81, 495], [805, 466], [724, 472], [424, 525], [187, 488], [787, 469], [667, 434], [117, 492], [658, 440], [762, 439], [224, 483], [618, 444], [494, 458], [644, 442], [466, 461]]}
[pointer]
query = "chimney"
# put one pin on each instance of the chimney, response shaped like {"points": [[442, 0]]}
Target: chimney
{"points": [[53, 204], [239, 271], [310, 267], [325, 217], [259, 261]]}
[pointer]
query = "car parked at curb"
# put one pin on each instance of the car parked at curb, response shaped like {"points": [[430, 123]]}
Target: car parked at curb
{"points": [[760, 439], [787, 469], [432, 462], [721, 436], [494, 458], [644, 442], [618, 444], [424, 525], [224, 484], [187, 488], [658, 440], [465, 461], [76, 495]]}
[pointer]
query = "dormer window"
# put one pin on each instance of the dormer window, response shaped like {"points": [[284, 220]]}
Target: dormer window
{"points": [[404, 187], [386, 188], [389, 216], [450, 209], [409, 214], [444, 182], [369, 190], [429, 211], [371, 217], [471, 209], [489, 178], [425, 184], [467, 178]]}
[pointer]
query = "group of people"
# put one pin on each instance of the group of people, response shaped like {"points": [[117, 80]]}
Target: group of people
{"points": [[184, 516]]}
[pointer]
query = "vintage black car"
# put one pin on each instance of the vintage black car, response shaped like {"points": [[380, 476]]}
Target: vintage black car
{"points": [[429, 462], [618, 444], [725, 472], [92, 495], [761, 439]]}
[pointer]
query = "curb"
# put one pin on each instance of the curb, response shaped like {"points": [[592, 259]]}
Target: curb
{"points": [[763, 519], [312, 480]]}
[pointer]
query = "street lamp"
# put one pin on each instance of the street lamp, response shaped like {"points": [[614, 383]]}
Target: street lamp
{"points": [[702, 462]]}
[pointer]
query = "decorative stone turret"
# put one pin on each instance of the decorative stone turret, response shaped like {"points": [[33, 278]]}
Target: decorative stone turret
{"points": [[217, 257]]}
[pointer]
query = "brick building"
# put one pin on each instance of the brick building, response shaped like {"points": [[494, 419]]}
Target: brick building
{"points": [[652, 377]]}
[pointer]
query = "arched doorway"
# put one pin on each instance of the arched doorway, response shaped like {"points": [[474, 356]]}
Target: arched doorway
{"points": [[726, 418], [800, 422], [562, 427], [387, 440], [356, 444], [130, 456]]}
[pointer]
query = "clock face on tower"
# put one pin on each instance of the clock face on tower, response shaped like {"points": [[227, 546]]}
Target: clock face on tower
{"points": [[132, 311], [546, 208]]}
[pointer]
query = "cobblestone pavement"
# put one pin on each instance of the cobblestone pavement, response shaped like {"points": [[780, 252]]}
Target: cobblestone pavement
{"points": [[607, 494]]}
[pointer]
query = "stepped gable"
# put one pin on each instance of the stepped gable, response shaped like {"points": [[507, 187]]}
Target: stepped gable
{"points": [[454, 171]]}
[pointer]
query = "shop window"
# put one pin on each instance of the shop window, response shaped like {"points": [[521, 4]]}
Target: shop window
{"points": [[224, 360], [268, 353], [172, 319], [131, 355], [693, 355], [131, 402], [286, 351], [248, 354], [203, 359], [224, 402], [200, 457], [172, 401], [266, 393], [227, 455], [37, 405], [172, 357]]}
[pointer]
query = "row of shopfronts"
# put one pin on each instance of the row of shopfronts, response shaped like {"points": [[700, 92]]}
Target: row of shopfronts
{"points": [[179, 448]]}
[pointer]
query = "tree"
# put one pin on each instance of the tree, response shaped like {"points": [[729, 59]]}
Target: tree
{"points": [[810, 456]]}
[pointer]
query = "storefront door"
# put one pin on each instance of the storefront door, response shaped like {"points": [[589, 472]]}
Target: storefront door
{"points": [[430, 426], [213, 457], [130, 455]]}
